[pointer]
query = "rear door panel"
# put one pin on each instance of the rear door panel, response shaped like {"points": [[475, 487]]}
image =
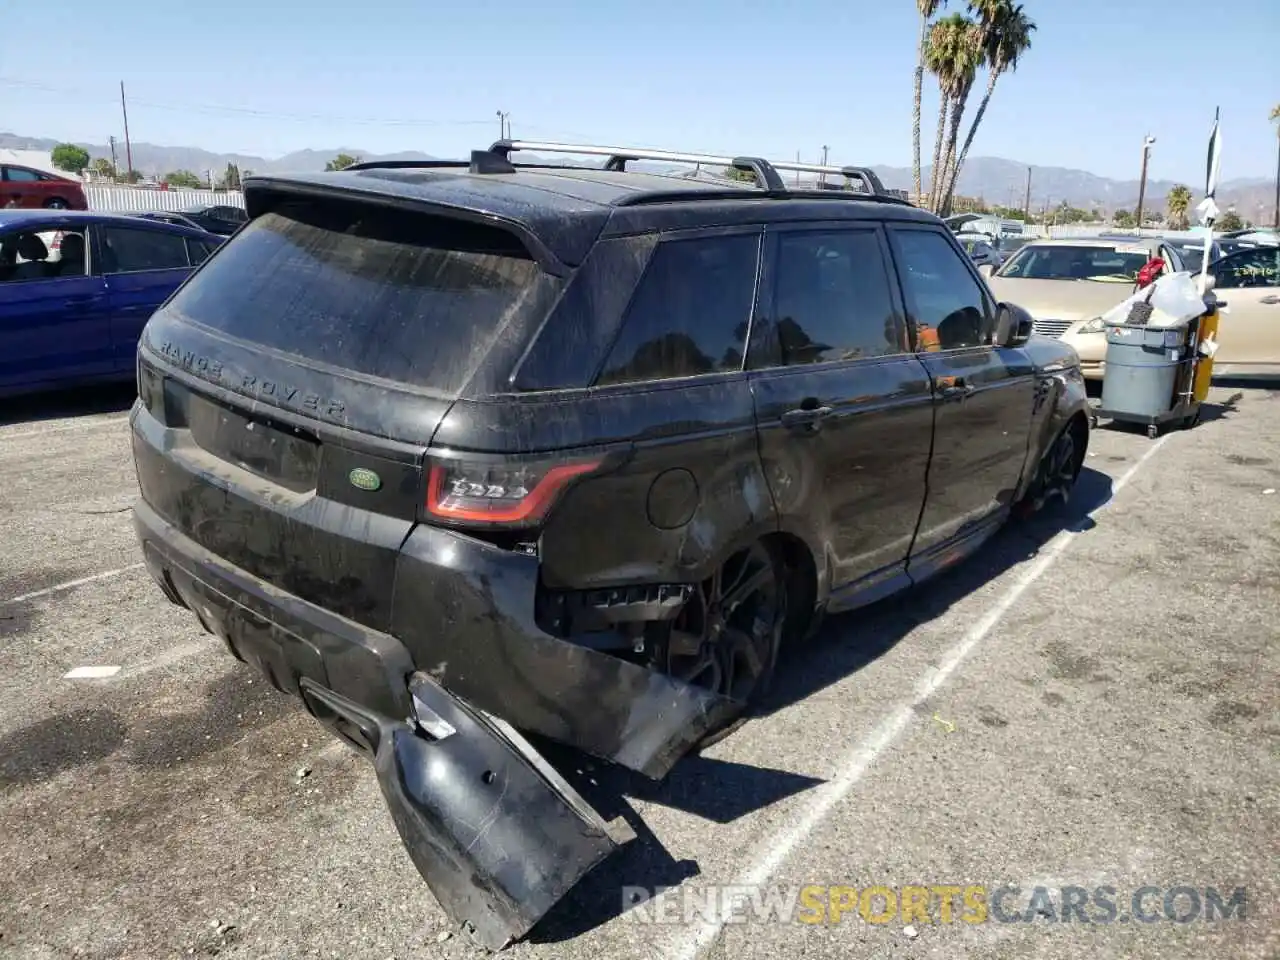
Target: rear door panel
{"points": [[135, 294], [854, 480], [134, 298]]}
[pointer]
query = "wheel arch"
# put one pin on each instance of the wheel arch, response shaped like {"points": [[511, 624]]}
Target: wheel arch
{"points": [[802, 583]]}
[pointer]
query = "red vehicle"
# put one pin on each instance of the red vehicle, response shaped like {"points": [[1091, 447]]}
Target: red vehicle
{"points": [[26, 187]]}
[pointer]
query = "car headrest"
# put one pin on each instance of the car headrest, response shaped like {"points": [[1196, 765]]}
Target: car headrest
{"points": [[31, 247], [72, 246]]}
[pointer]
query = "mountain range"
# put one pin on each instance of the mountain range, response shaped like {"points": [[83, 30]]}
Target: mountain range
{"points": [[995, 180]]}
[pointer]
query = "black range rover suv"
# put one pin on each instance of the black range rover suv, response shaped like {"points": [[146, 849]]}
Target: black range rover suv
{"points": [[458, 452]]}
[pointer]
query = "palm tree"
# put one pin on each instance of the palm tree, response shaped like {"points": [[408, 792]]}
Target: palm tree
{"points": [[1178, 201], [1274, 117], [946, 56], [960, 54], [1006, 36], [927, 9], [969, 56]]}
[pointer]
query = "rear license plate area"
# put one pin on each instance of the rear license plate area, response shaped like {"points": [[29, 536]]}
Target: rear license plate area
{"points": [[265, 447]]}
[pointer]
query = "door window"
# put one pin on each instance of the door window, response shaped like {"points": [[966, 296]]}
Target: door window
{"points": [[127, 250], [1249, 268], [199, 251], [42, 255], [832, 298], [945, 299], [18, 175], [689, 314]]}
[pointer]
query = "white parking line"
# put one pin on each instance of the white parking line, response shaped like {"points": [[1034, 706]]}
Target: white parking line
{"points": [[175, 655], [63, 428], [69, 585], [90, 673], [771, 854]]}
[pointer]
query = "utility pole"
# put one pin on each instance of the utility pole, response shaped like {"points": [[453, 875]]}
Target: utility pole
{"points": [[1026, 201], [115, 169], [825, 148], [1276, 216], [1142, 183], [128, 148], [797, 164], [504, 125]]}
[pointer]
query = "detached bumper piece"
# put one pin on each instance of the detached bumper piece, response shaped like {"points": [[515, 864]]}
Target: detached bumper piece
{"points": [[496, 833]]}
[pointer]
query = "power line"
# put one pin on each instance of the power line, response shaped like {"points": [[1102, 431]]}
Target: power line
{"points": [[83, 94]]}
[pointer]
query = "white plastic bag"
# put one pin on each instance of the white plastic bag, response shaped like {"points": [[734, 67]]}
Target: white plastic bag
{"points": [[1176, 300]]}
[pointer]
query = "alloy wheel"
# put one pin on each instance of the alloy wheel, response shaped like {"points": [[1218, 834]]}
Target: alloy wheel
{"points": [[726, 638]]}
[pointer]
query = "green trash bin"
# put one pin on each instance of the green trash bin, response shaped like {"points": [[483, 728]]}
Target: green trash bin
{"points": [[1147, 369]]}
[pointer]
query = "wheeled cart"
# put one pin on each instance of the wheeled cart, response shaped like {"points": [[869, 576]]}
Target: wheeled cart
{"points": [[1151, 375]]}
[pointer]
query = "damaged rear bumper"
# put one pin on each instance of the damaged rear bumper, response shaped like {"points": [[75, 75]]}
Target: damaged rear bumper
{"points": [[464, 614], [496, 833]]}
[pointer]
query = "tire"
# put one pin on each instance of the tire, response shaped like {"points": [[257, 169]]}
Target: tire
{"points": [[732, 651], [56, 203], [1056, 474], [1153, 430]]}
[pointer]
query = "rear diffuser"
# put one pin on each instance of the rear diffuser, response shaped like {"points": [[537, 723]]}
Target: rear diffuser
{"points": [[496, 833]]}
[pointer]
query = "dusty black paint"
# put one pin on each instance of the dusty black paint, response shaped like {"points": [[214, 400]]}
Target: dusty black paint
{"points": [[246, 516]]}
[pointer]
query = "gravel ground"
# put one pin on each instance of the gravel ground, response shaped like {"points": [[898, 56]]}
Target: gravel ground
{"points": [[1091, 702]]}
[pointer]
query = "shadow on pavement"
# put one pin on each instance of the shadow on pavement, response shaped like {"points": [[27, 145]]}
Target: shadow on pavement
{"points": [[81, 402], [721, 791], [849, 642], [1210, 410]]}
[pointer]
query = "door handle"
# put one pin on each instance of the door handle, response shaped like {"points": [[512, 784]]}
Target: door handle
{"points": [[1272, 299], [806, 419], [83, 301], [956, 388]]}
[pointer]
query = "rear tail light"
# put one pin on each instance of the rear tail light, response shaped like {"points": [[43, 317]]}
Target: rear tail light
{"points": [[517, 494]]}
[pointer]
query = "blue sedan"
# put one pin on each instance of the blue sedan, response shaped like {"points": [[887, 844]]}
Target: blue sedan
{"points": [[76, 289]]}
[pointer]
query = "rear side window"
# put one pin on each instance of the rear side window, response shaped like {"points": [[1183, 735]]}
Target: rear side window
{"points": [[411, 299], [944, 298], [832, 298], [125, 250], [690, 312], [198, 250]]}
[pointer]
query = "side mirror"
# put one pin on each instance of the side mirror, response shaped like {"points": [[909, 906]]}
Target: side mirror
{"points": [[987, 269], [1013, 325]]}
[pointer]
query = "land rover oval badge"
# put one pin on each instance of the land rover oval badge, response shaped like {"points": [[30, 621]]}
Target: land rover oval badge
{"points": [[364, 479]]}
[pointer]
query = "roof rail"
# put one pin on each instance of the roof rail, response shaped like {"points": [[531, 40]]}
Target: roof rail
{"points": [[766, 171], [405, 164]]}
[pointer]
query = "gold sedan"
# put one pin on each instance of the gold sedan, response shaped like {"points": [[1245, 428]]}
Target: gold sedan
{"points": [[1067, 285]]}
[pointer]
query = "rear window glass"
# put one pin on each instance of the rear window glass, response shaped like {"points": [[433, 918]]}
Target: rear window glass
{"points": [[414, 300]]}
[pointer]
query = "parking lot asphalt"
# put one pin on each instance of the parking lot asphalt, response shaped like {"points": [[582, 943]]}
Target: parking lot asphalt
{"points": [[1090, 702]]}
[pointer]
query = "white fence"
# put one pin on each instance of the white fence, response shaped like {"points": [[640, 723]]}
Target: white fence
{"points": [[1083, 230], [113, 198]]}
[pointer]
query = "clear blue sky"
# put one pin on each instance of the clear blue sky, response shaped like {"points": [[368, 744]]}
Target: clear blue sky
{"points": [[272, 76]]}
